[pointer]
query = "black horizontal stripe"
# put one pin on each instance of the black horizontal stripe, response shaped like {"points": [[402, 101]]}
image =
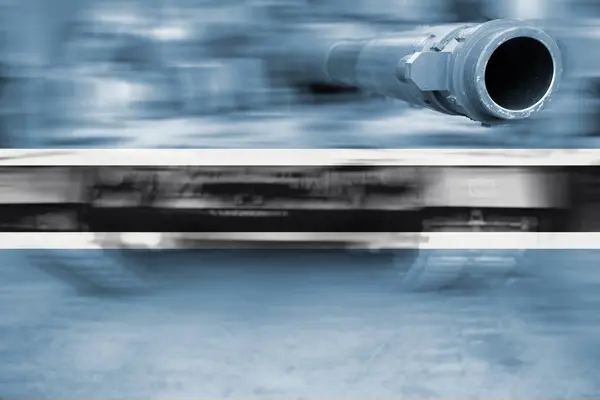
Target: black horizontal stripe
{"points": [[243, 199], [252, 220]]}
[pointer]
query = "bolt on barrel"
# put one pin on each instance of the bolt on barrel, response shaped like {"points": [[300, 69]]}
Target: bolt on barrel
{"points": [[494, 72]]}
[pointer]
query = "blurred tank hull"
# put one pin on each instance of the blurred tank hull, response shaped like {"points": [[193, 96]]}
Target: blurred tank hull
{"points": [[290, 76], [276, 199], [343, 206]]}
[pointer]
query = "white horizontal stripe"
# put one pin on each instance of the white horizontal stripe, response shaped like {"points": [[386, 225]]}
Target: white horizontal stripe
{"points": [[298, 157], [446, 240]]}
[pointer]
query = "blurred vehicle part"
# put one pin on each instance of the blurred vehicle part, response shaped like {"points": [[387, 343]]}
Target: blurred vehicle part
{"points": [[360, 208], [494, 72]]}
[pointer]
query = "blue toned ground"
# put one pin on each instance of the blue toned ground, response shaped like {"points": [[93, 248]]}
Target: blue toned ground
{"points": [[298, 324]]}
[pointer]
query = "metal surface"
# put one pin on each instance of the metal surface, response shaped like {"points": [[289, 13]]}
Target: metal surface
{"points": [[496, 71], [497, 188]]}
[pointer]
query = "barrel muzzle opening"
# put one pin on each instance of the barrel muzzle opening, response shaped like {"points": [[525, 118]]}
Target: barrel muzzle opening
{"points": [[518, 73]]}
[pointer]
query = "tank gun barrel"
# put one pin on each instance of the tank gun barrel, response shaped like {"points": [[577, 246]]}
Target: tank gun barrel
{"points": [[494, 72]]}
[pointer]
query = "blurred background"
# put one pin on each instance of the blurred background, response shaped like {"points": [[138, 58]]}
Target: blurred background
{"points": [[193, 73]]}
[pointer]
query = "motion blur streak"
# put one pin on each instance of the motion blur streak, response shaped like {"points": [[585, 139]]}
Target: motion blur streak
{"points": [[293, 323], [283, 322], [262, 73]]}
